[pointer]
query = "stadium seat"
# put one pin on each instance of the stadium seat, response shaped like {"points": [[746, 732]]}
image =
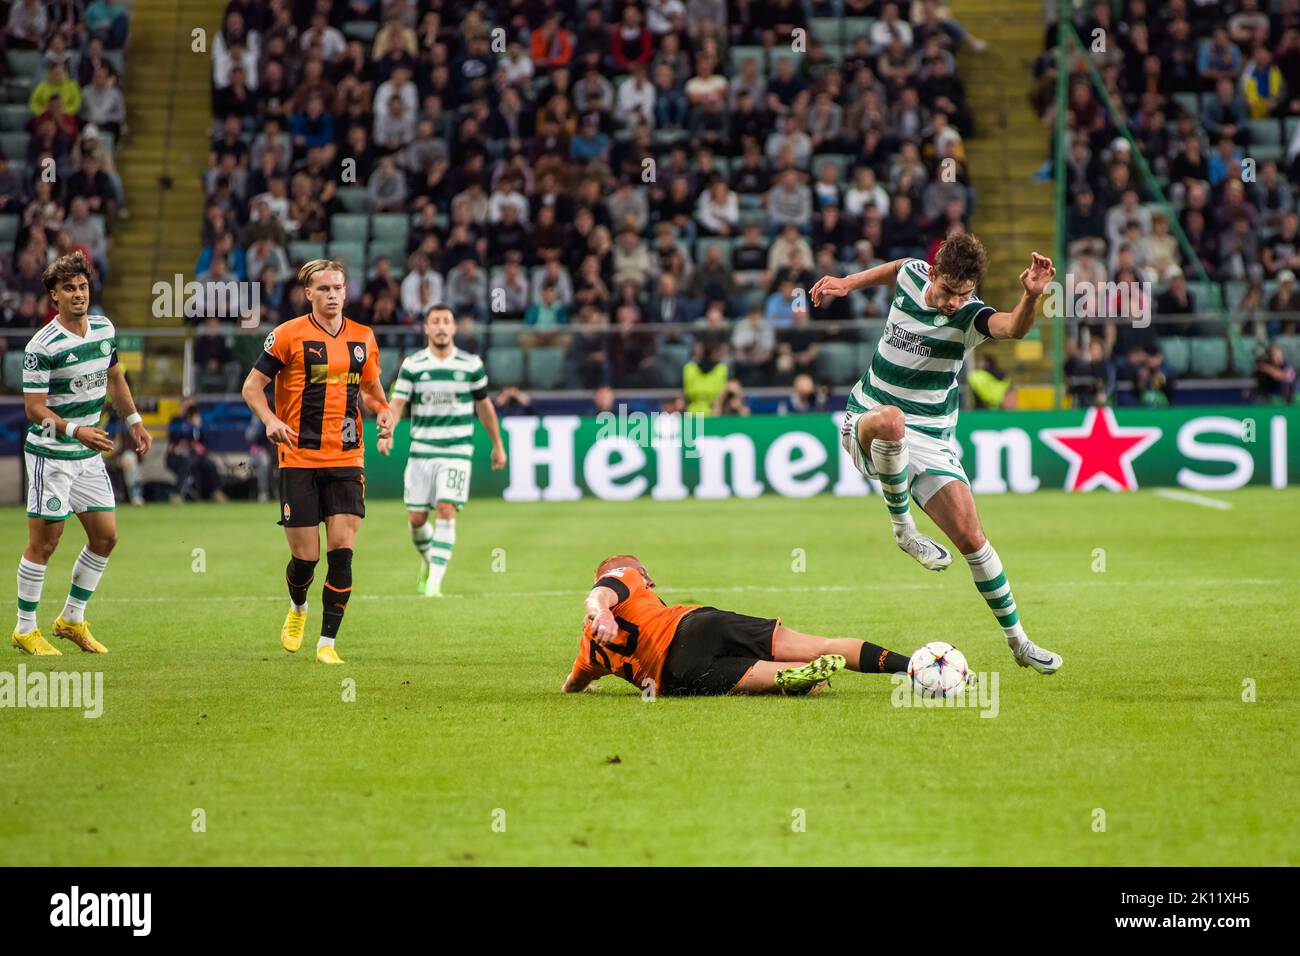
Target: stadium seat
{"points": [[14, 117], [353, 198], [672, 357], [505, 366], [1178, 354], [13, 370], [784, 53], [349, 227], [545, 368], [363, 30], [1234, 292], [1290, 346], [702, 248], [837, 362], [300, 252], [389, 225], [1289, 124], [1190, 102], [1209, 357], [503, 335], [390, 362], [395, 250], [1267, 152], [8, 230], [116, 58], [828, 29], [1242, 356], [351, 254], [1264, 132], [835, 51], [866, 352], [14, 144], [25, 63], [739, 54], [855, 27], [840, 161]]}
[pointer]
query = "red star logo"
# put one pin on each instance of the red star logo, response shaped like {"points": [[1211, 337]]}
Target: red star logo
{"points": [[1099, 451]]}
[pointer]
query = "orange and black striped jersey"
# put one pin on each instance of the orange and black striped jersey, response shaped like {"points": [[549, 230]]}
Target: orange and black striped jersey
{"points": [[646, 627], [318, 380]]}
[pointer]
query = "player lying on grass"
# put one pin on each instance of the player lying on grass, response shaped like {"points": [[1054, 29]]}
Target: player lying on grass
{"points": [[685, 649], [69, 367], [902, 414]]}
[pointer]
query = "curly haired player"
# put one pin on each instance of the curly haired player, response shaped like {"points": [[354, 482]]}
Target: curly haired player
{"points": [[902, 414]]}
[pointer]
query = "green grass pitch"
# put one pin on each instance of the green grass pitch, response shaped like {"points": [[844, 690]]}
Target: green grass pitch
{"points": [[458, 713]]}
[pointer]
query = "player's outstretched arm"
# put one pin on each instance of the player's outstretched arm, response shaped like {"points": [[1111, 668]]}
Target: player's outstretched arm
{"points": [[832, 287], [119, 392], [487, 414], [1017, 323], [254, 394], [599, 608]]}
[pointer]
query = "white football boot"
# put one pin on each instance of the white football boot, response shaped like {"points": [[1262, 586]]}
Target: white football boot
{"points": [[1029, 654], [928, 553]]}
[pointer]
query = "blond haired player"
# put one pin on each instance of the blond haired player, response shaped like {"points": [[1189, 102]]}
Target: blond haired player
{"points": [[323, 365]]}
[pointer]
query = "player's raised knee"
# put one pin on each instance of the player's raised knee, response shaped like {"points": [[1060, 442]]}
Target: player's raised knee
{"points": [[885, 423]]}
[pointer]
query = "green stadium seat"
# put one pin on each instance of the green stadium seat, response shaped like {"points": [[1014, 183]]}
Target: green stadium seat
{"points": [[866, 352], [1234, 292], [1178, 354], [25, 63], [672, 358], [8, 230], [13, 370], [840, 161], [702, 248], [739, 54], [1265, 132], [395, 250], [300, 252], [855, 27], [1209, 357], [351, 254], [1267, 152], [504, 335], [353, 198], [755, 217], [1289, 124], [1243, 356], [784, 53], [835, 51], [546, 368], [505, 366], [363, 30], [828, 29], [117, 59], [349, 227], [390, 362], [389, 225], [14, 144], [837, 362], [1190, 102], [14, 117], [1290, 346]]}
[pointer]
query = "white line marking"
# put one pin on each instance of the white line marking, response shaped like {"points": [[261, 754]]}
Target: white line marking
{"points": [[1193, 499], [577, 593]]}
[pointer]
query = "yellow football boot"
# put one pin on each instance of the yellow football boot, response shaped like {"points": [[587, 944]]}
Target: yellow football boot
{"points": [[327, 655], [78, 632], [33, 643], [295, 622]]}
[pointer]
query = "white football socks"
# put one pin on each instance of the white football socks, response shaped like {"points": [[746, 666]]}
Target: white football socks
{"points": [[986, 569], [890, 460]]}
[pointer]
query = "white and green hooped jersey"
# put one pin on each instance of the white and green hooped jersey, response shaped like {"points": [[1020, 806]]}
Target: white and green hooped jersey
{"points": [[441, 393], [74, 371], [919, 357]]}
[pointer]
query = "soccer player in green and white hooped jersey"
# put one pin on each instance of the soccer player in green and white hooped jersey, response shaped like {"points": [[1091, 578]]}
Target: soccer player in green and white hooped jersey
{"points": [[904, 409], [445, 387], [69, 368]]}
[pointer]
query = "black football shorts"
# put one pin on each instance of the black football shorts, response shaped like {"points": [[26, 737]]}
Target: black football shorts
{"points": [[310, 495], [712, 650]]}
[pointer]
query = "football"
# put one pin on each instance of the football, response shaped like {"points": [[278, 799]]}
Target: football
{"points": [[938, 670]]}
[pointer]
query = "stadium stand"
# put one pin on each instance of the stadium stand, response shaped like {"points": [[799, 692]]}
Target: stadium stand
{"points": [[1211, 92], [603, 191]]}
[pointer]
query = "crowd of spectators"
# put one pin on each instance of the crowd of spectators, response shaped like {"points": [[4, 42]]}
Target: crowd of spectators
{"points": [[617, 187], [1211, 94], [61, 114]]}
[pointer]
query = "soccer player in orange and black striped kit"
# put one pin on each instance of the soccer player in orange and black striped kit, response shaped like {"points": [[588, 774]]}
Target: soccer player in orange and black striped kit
{"points": [[323, 365], [685, 649]]}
